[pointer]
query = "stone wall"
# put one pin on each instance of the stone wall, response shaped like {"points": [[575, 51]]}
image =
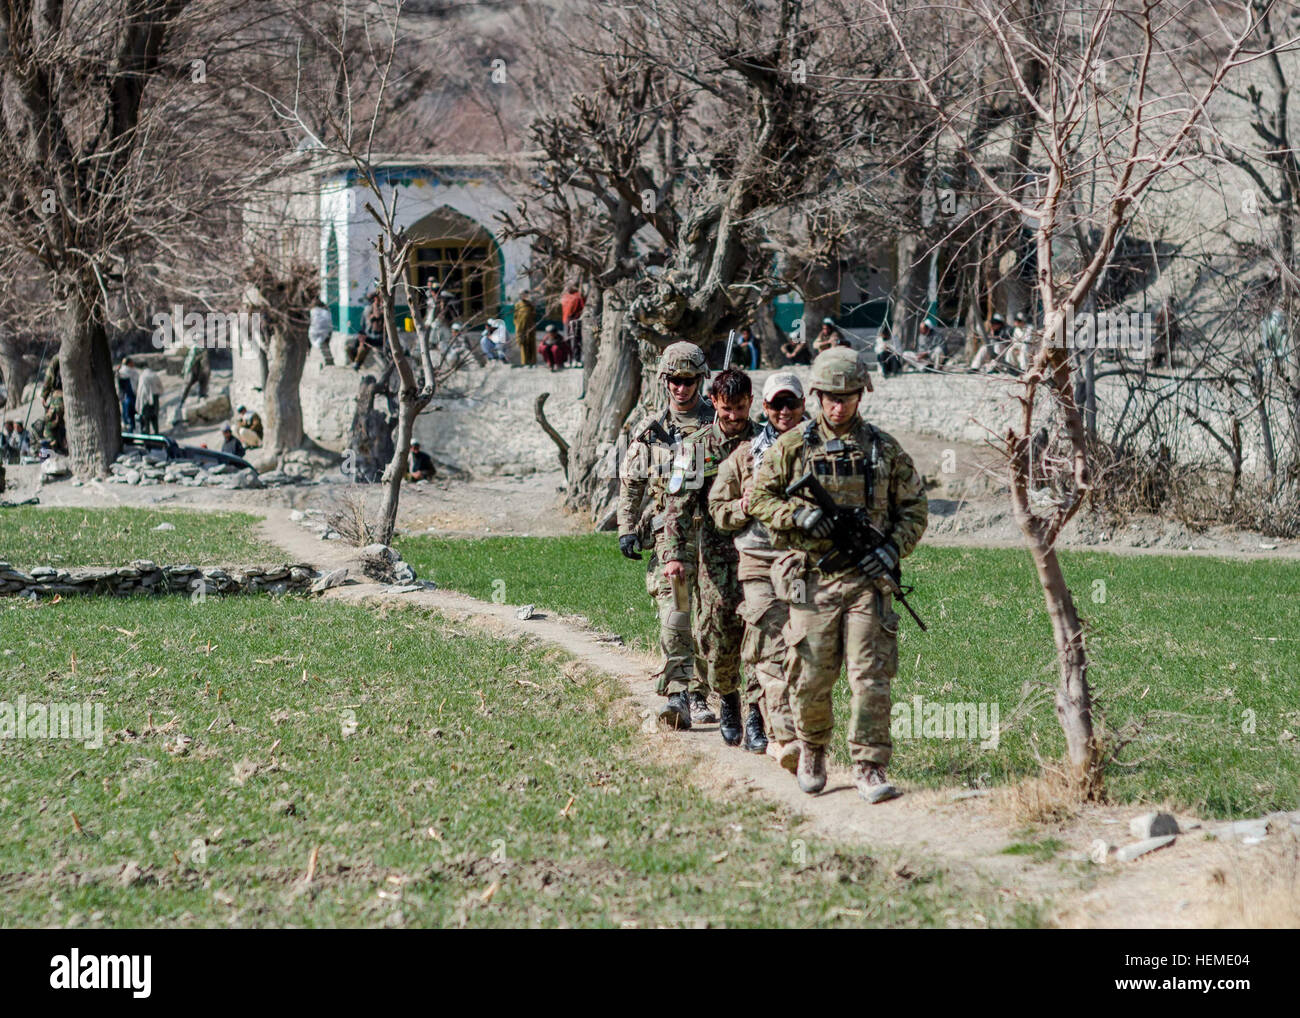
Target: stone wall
{"points": [[144, 577]]}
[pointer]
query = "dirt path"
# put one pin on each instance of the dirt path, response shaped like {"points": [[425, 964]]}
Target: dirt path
{"points": [[1183, 886]]}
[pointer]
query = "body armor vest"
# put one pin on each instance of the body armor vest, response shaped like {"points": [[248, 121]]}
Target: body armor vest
{"points": [[845, 468]]}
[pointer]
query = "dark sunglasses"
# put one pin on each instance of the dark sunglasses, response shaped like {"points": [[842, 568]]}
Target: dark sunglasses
{"points": [[681, 379], [784, 401]]}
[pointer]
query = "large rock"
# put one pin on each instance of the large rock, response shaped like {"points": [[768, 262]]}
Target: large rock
{"points": [[55, 467], [210, 410], [1152, 825]]}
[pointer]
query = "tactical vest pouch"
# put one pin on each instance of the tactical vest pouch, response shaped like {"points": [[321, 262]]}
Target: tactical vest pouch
{"points": [[790, 576]]}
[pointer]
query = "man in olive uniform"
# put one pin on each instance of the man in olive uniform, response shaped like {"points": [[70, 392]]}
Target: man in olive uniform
{"points": [[644, 472], [692, 542], [765, 614], [845, 617]]}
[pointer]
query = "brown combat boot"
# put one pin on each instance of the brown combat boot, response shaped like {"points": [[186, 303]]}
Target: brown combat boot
{"points": [[812, 768], [872, 784], [785, 753]]}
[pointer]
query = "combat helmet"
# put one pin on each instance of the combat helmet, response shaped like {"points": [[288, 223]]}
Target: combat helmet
{"points": [[683, 359], [839, 370]]}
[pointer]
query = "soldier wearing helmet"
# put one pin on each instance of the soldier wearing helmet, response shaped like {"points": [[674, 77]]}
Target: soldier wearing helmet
{"points": [[843, 618], [642, 507]]}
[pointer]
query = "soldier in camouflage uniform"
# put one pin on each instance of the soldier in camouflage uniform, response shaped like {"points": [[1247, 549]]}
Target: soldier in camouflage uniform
{"points": [[56, 430], [691, 541], [644, 472], [765, 614], [846, 617]]}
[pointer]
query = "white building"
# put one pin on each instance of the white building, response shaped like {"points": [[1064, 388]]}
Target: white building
{"points": [[449, 205]]}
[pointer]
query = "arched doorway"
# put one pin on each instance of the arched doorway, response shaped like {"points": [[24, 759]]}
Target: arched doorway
{"points": [[459, 258]]}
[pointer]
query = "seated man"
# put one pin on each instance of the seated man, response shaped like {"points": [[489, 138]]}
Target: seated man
{"points": [[796, 351], [891, 363], [494, 339], [419, 465], [250, 428], [930, 349], [992, 350], [555, 350], [829, 337], [230, 444], [746, 352]]}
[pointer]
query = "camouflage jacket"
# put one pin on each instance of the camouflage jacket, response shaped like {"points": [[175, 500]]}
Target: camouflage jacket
{"points": [[897, 505], [648, 462], [53, 381], [735, 478], [686, 519]]}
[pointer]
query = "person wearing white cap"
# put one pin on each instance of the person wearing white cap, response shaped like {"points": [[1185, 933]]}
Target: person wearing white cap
{"points": [[493, 342], [763, 649], [829, 337]]}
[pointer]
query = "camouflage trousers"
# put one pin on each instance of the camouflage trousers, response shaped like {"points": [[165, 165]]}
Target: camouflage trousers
{"points": [[721, 628], [846, 621], [763, 652], [682, 669]]}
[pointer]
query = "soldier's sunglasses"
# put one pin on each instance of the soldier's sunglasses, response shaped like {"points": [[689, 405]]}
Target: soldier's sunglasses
{"points": [[681, 379], [784, 401]]}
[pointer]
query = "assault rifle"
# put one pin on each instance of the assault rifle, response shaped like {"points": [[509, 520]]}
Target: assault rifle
{"points": [[854, 537], [656, 432]]}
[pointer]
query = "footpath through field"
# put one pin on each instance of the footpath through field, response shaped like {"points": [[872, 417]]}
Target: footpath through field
{"points": [[1193, 883]]}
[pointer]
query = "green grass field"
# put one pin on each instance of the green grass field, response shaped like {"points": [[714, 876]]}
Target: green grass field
{"points": [[30, 536], [437, 777], [1205, 651]]}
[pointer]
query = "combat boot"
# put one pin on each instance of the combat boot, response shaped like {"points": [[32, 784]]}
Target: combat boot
{"points": [[785, 753], [872, 784], [755, 736], [701, 712], [676, 713], [729, 719], [812, 768]]}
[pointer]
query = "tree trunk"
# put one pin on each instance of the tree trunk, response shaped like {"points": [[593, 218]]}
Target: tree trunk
{"points": [[614, 391], [370, 443], [1073, 698], [819, 285], [16, 368], [769, 335], [909, 292], [282, 400], [89, 396], [408, 407]]}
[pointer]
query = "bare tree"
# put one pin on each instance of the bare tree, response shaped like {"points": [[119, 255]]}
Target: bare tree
{"points": [[1127, 126], [660, 174], [103, 139]]}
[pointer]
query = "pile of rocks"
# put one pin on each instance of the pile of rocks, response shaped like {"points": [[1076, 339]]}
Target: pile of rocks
{"points": [[145, 577], [136, 467]]}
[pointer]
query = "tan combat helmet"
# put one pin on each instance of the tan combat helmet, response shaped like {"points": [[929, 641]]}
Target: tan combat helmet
{"points": [[839, 370], [683, 359]]}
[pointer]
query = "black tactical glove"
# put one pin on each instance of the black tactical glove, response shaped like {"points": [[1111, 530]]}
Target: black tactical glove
{"points": [[882, 560], [627, 545], [813, 521]]}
